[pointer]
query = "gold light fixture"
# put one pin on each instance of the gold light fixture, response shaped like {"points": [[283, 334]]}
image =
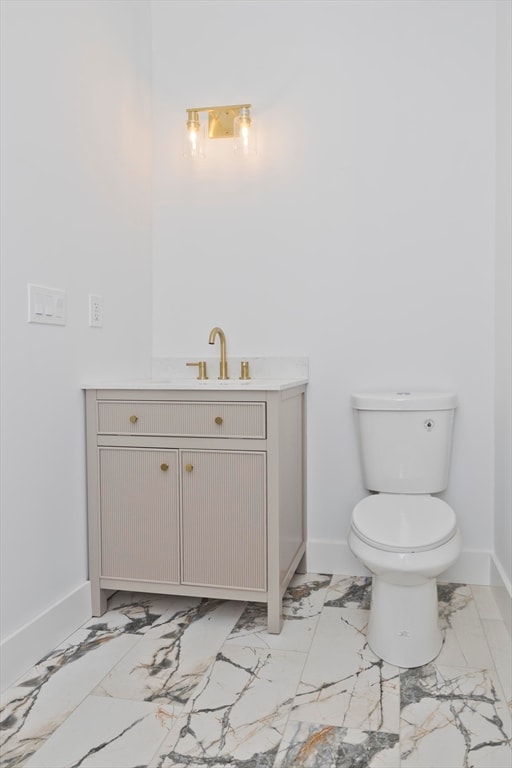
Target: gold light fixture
{"points": [[230, 122]]}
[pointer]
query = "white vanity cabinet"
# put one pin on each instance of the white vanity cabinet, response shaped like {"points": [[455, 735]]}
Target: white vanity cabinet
{"points": [[196, 492]]}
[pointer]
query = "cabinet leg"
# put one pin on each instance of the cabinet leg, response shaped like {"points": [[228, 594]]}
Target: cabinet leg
{"points": [[274, 616], [302, 566], [99, 601]]}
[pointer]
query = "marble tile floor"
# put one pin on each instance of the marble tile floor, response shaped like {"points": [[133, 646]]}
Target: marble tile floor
{"points": [[161, 681]]}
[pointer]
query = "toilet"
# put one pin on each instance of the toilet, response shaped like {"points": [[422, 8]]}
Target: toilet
{"points": [[402, 533]]}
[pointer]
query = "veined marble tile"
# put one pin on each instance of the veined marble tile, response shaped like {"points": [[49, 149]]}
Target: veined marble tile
{"points": [[501, 650], [308, 745], [41, 702], [105, 733], [464, 643], [171, 659], [33, 709], [237, 715], [485, 602], [453, 717], [302, 605], [343, 682], [321, 703], [138, 611], [349, 592]]}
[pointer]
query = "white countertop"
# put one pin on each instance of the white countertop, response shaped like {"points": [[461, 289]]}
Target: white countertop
{"points": [[195, 384], [172, 373]]}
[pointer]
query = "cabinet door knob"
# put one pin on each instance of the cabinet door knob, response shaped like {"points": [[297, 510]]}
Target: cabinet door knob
{"points": [[134, 419], [219, 419], [189, 467], [164, 467]]}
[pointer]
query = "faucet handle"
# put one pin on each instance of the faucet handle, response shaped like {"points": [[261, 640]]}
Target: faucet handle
{"points": [[244, 370], [202, 375]]}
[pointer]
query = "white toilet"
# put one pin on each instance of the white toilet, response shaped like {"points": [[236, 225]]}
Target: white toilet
{"points": [[401, 533]]}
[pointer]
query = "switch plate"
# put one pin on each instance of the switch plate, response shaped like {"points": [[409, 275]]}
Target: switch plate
{"points": [[95, 311], [46, 305]]}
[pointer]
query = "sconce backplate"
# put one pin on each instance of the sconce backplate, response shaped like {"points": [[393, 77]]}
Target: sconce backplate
{"points": [[221, 123]]}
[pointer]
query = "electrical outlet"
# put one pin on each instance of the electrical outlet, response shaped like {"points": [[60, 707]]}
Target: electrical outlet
{"points": [[95, 311]]}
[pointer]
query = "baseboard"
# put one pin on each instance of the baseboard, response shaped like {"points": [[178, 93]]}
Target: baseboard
{"points": [[333, 557], [30, 643], [472, 567], [502, 591]]}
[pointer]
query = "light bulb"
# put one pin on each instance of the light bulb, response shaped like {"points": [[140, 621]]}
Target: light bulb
{"points": [[245, 136], [194, 138]]}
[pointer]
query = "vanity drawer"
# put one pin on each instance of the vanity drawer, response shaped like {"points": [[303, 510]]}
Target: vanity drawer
{"points": [[182, 419]]}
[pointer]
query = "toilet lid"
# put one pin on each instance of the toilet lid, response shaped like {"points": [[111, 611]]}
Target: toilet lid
{"points": [[403, 522]]}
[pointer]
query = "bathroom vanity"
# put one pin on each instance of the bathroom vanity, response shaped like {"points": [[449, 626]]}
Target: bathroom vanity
{"points": [[197, 488]]}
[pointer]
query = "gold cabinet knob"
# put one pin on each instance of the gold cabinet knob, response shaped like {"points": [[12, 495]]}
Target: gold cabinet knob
{"points": [[134, 419], [164, 467], [219, 419], [189, 467]]}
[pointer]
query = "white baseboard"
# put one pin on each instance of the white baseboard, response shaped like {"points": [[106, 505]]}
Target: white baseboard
{"points": [[472, 567], [333, 557], [30, 643], [502, 591]]}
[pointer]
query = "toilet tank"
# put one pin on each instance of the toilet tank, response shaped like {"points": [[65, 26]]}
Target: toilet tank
{"points": [[405, 440]]}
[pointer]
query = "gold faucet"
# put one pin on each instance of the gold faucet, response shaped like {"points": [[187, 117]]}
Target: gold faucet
{"points": [[223, 370]]}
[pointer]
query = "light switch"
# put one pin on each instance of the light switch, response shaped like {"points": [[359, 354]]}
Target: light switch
{"points": [[46, 305]]}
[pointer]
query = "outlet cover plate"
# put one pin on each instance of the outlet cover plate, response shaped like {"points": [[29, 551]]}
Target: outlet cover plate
{"points": [[95, 311]]}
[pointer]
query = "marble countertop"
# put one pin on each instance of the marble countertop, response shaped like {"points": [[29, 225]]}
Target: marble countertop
{"points": [[266, 384], [172, 373]]}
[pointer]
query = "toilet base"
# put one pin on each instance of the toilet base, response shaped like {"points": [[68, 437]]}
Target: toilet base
{"points": [[403, 628]]}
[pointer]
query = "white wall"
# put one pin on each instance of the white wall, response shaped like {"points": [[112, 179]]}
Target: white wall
{"points": [[76, 216], [503, 337], [362, 234]]}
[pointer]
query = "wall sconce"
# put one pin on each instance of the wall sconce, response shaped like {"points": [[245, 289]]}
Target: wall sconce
{"points": [[231, 122]]}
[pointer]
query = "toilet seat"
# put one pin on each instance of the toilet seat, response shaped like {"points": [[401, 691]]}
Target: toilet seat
{"points": [[403, 522]]}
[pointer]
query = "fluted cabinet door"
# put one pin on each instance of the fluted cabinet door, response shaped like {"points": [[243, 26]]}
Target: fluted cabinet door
{"points": [[139, 509], [224, 519]]}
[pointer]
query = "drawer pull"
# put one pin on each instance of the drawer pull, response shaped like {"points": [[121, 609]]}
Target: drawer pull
{"points": [[189, 467], [134, 419], [164, 467], [219, 419]]}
